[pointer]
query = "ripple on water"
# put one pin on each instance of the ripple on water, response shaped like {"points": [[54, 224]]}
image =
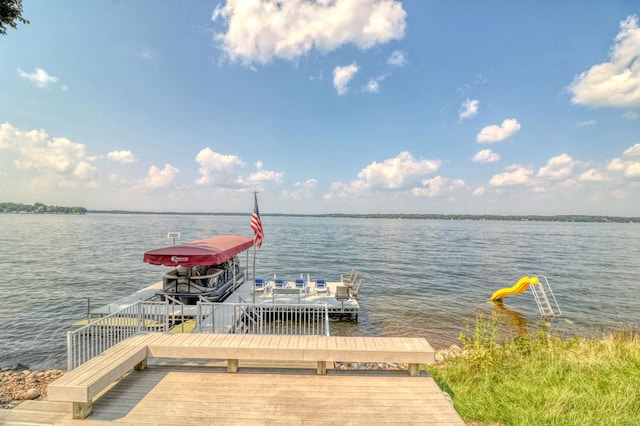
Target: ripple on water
{"points": [[422, 277]]}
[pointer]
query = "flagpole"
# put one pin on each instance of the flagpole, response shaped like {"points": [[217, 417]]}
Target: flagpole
{"points": [[253, 286]]}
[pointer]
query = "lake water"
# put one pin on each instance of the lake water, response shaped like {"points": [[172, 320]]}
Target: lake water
{"points": [[422, 277]]}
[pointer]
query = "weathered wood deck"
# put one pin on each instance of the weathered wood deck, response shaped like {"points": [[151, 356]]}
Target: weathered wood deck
{"points": [[172, 395], [189, 381]]}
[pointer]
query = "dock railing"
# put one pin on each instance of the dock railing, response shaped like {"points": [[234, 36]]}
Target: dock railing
{"points": [[102, 333], [250, 318], [237, 318]]}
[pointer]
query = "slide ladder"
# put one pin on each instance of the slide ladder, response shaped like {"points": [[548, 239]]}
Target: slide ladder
{"points": [[542, 292]]}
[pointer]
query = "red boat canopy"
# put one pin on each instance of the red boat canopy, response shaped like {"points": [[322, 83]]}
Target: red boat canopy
{"points": [[211, 251]]}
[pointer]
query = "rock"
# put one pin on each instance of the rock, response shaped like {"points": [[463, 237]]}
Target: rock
{"points": [[455, 350], [17, 386], [31, 394]]}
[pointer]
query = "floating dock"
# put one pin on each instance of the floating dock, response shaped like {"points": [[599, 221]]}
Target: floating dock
{"points": [[244, 293], [291, 295]]}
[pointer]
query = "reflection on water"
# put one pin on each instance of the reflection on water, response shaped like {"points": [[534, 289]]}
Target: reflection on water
{"points": [[517, 323], [422, 277]]}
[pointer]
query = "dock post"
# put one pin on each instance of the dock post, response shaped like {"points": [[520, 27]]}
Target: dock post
{"points": [[82, 409], [414, 369], [232, 365]]}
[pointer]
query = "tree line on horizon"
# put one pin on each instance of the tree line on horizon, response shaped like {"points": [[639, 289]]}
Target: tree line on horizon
{"points": [[40, 208], [523, 218]]}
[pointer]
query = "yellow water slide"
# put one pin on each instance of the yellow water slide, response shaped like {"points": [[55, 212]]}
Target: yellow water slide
{"points": [[520, 287]]}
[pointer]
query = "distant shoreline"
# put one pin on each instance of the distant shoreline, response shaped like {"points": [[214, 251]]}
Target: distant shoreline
{"points": [[39, 208], [486, 217]]}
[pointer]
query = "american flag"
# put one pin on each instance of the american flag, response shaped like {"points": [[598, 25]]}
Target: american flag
{"points": [[256, 224]]}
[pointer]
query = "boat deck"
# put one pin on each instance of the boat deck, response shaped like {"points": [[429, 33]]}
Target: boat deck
{"points": [[196, 395], [294, 296]]}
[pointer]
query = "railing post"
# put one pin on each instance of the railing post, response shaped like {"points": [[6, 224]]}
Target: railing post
{"points": [[70, 351], [140, 316]]}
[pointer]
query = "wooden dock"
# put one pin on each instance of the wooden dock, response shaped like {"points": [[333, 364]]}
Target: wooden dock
{"points": [[196, 395], [198, 379]]}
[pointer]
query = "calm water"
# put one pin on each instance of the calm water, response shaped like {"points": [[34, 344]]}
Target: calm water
{"points": [[422, 277]]}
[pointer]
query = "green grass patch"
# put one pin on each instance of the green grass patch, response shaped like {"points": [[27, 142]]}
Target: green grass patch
{"points": [[542, 379]]}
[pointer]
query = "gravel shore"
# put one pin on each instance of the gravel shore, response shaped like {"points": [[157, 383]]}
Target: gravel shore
{"points": [[20, 384]]}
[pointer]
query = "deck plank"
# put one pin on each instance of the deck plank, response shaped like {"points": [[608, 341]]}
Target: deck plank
{"points": [[192, 395]]}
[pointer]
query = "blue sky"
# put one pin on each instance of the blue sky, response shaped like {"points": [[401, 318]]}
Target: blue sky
{"points": [[369, 106]]}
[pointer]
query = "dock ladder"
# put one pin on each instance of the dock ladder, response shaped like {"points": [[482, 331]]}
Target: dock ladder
{"points": [[542, 292]]}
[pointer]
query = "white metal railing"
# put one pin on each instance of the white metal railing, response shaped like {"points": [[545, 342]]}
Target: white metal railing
{"points": [[247, 318], [101, 334], [250, 318]]}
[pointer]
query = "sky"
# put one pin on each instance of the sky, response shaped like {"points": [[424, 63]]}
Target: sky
{"points": [[327, 106]]}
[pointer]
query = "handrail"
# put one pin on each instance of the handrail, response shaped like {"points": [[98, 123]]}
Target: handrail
{"points": [[99, 335], [249, 318]]}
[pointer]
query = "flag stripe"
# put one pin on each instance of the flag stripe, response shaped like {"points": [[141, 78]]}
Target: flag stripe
{"points": [[256, 225]]}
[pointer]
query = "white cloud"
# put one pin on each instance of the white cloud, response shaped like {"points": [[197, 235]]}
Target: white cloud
{"points": [[469, 109], [85, 171], [438, 187], [216, 168], [342, 76], [122, 157], [559, 167], [160, 178], [634, 151], [225, 171], [400, 173], [117, 179], [633, 169], [630, 115], [615, 83], [52, 161], [397, 59], [372, 87], [515, 175], [261, 177], [302, 190], [39, 77], [625, 167], [593, 175], [616, 165], [485, 156], [495, 133], [259, 31], [586, 123]]}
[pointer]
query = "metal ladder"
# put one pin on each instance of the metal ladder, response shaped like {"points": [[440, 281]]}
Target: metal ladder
{"points": [[540, 292]]}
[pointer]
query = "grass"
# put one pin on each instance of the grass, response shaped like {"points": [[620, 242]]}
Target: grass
{"points": [[542, 379]]}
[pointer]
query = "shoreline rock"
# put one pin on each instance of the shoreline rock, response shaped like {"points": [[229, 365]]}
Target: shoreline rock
{"points": [[21, 384]]}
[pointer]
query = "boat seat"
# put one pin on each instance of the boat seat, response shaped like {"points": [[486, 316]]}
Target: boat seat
{"points": [[280, 282], [353, 291], [350, 280], [321, 286], [342, 293]]}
